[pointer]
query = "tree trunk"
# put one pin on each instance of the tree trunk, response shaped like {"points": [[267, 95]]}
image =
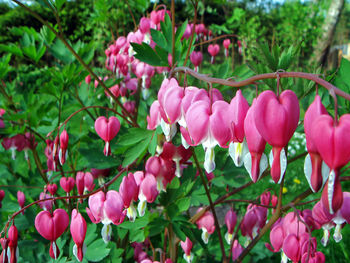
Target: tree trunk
{"points": [[327, 32]]}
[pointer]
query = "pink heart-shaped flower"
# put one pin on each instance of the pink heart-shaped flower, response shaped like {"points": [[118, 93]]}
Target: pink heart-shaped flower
{"points": [[276, 118], [107, 129], [67, 184], [52, 226], [332, 142], [213, 49]]}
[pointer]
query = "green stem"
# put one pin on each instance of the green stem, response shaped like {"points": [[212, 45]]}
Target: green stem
{"points": [[39, 166], [173, 32], [217, 226]]}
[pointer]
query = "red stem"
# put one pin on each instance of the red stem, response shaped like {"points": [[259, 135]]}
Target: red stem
{"points": [[63, 198], [252, 80]]}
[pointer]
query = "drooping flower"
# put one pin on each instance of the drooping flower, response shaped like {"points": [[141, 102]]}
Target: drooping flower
{"points": [[196, 59], [276, 119], [230, 221], [206, 224], [21, 198], [187, 247], [107, 129], [226, 43], [207, 125], [78, 232], [148, 193], [51, 226], [129, 191], [63, 152], [255, 161], [332, 141], [106, 208], [238, 109], [213, 50], [316, 171]]}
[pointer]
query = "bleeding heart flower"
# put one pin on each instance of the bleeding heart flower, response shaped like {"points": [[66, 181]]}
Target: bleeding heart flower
{"points": [[21, 198], [196, 59], [324, 219], [63, 153], [226, 43], [129, 191], [45, 205], [4, 244], [78, 231], [12, 244], [52, 188], [255, 161], [333, 143], [106, 208], [230, 221], [342, 216], [238, 109], [291, 247], [148, 193], [107, 129], [237, 250], [85, 182], [176, 153], [187, 247], [276, 238], [206, 223], [67, 184], [207, 125], [316, 171], [213, 51], [154, 118], [276, 119], [51, 226]]}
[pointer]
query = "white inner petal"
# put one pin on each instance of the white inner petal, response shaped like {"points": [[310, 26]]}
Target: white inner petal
{"points": [[209, 160]]}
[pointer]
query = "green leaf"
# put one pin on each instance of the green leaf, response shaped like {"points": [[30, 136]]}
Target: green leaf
{"points": [[97, 159], [97, 251], [59, 3], [11, 48], [140, 222], [146, 54], [342, 79], [223, 69], [180, 31], [159, 38], [157, 226], [153, 144], [178, 232], [167, 31], [270, 59], [4, 65], [134, 135], [137, 235], [47, 35], [135, 151]]}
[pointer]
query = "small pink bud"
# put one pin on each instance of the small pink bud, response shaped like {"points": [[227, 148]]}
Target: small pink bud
{"points": [[21, 198], [52, 188], [88, 79], [13, 239]]}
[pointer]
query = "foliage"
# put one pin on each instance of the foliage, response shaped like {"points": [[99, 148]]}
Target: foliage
{"points": [[45, 91]]}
